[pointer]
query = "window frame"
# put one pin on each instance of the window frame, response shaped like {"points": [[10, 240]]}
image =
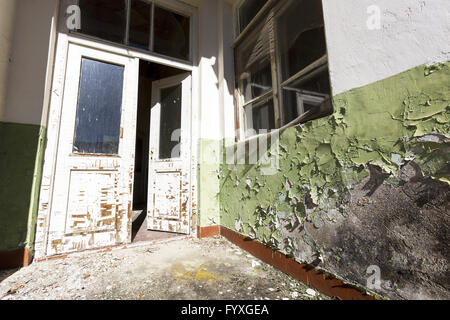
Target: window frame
{"points": [[169, 5], [247, 35]]}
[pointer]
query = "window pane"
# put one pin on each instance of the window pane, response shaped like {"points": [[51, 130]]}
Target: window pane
{"points": [[254, 68], [259, 116], [301, 36], [171, 36], [310, 94], [170, 123], [104, 19], [140, 24], [97, 128], [248, 10]]}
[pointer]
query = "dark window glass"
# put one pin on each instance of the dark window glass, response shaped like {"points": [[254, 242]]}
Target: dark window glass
{"points": [[260, 116], [311, 93], [254, 67], [301, 36], [248, 10], [97, 128], [104, 19], [171, 34], [170, 123], [140, 24]]}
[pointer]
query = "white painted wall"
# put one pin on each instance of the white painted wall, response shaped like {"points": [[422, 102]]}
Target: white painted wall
{"points": [[29, 56], [226, 70], [413, 32], [216, 70], [7, 18], [209, 70]]}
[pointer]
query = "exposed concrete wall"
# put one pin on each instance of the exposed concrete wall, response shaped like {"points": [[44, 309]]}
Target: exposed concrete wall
{"points": [[7, 18], [412, 32]]}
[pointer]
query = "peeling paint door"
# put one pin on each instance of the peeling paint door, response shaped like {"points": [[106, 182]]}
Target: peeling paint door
{"points": [[168, 206], [92, 190]]}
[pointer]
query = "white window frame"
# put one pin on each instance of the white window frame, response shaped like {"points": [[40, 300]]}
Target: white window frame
{"points": [[275, 59], [170, 5]]}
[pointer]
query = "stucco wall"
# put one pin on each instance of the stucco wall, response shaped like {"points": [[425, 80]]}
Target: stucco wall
{"points": [[412, 32], [7, 17]]}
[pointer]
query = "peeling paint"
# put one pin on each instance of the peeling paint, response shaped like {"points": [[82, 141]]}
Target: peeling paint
{"points": [[378, 127]]}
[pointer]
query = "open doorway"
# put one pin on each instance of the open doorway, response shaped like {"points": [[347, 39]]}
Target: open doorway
{"points": [[149, 73]]}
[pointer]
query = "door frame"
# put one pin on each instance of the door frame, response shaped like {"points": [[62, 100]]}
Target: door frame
{"points": [[60, 58], [171, 165]]}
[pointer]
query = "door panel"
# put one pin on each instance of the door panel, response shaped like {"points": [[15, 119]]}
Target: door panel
{"points": [[93, 182], [169, 163]]}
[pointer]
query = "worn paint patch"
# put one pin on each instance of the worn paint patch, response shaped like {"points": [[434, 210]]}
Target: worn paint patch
{"points": [[375, 128]]}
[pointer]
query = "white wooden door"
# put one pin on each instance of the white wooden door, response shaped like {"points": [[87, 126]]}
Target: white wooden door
{"points": [[92, 192], [168, 207]]}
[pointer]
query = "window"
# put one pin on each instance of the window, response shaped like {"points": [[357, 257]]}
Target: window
{"points": [[248, 10], [170, 122], [171, 33], [137, 23], [99, 109], [282, 65], [104, 19], [140, 24]]}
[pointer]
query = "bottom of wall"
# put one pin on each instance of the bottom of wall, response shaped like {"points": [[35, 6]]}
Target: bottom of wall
{"points": [[305, 273], [15, 258], [207, 232]]}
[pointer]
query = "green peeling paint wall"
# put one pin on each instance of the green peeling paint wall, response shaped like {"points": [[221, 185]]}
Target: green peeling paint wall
{"points": [[209, 183], [21, 156], [382, 124]]}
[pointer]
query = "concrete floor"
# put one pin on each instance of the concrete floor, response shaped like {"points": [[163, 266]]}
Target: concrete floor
{"points": [[174, 269], [140, 232]]}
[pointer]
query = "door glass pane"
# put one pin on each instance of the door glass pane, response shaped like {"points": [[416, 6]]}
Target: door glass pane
{"points": [[104, 19], [253, 67], [259, 116], [301, 36], [311, 94], [248, 10], [140, 24], [97, 128], [171, 35], [170, 123]]}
